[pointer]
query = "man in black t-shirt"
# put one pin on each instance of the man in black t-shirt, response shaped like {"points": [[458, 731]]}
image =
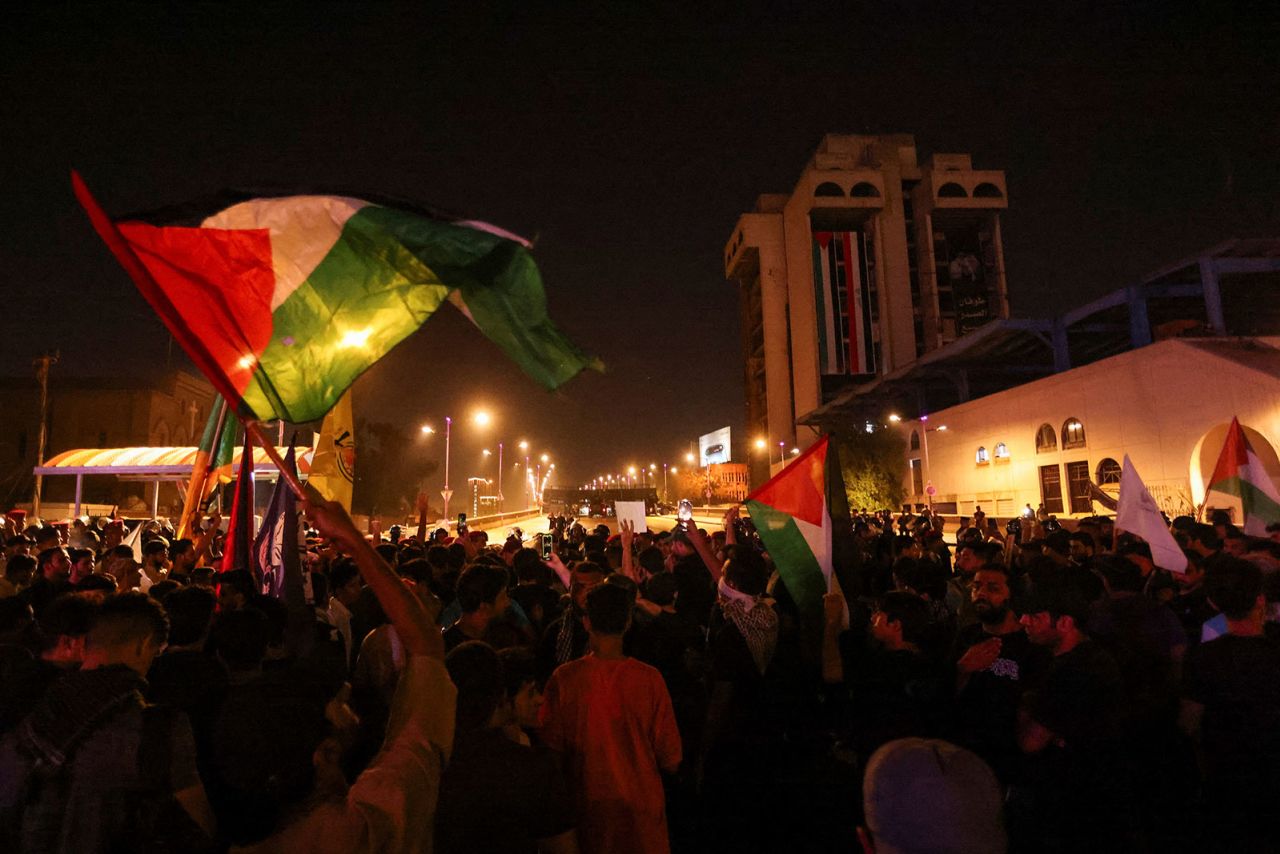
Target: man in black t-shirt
{"points": [[496, 795], [1077, 788], [995, 662], [1231, 700], [482, 595]]}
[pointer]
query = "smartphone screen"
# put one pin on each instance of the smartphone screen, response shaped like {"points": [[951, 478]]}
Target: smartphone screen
{"points": [[546, 547], [462, 521], [685, 512]]}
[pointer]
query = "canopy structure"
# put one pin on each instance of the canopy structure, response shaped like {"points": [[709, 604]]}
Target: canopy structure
{"points": [[153, 464]]}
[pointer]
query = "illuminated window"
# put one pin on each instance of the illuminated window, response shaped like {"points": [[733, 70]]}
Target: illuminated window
{"points": [[1046, 439], [826, 188], [1072, 434], [981, 457], [1108, 471], [1002, 451]]}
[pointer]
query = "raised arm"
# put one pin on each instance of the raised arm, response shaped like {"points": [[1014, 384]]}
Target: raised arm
{"points": [[730, 528], [703, 549], [627, 531], [406, 611]]}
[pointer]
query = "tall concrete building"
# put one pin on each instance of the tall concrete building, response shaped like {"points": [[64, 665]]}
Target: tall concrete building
{"points": [[873, 260]]}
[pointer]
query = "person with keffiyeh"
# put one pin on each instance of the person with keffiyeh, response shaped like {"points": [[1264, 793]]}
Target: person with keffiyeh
{"points": [[738, 740]]}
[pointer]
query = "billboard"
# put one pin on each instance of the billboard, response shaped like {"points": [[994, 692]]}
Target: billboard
{"points": [[714, 447]]}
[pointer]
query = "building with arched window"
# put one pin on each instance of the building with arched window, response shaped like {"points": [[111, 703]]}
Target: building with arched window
{"points": [[167, 408], [875, 258]]}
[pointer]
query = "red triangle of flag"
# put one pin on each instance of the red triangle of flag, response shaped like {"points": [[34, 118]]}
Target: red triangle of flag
{"points": [[1234, 456], [800, 488]]}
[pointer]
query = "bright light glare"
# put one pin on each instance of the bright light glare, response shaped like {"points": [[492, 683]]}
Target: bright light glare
{"points": [[426, 429], [482, 418], [760, 443], [545, 458], [247, 362], [674, 470], [524, 446], [895, 418], [487, 452], [688, 458], [795, 451], [943, 427], [631, 470], [356, 338]]}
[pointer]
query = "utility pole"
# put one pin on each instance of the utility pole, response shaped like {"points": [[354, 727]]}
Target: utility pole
{"points": [[42, 376]]}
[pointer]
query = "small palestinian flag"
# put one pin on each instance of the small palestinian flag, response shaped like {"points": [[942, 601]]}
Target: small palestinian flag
{"points": [[794, 513], [1241, 483], [212, 464], [283, 301]]}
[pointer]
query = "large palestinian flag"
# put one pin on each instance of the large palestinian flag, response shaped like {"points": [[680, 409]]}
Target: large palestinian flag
{"points": [[1240, 482], [794, 513], [282, 301]]}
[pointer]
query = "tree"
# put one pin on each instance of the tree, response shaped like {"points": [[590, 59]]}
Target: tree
{"points": [[692, 484], [390, 469], [872, 467]]}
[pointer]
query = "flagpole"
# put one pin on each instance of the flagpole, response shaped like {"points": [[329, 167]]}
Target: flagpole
{"points": [[200, 474], [254, 429]]}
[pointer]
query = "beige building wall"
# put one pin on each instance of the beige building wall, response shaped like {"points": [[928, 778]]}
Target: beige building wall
{"points": [[1166, 405]]}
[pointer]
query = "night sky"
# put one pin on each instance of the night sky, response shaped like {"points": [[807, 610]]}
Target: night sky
{"points": [[627, 143]]}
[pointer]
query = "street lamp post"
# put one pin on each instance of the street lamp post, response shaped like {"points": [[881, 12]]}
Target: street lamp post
{"points": [[446, 493], [528, 491], [499, 477]]}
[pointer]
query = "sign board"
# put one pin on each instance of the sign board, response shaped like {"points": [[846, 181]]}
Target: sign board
{"points": [[713, 448], [632, 511]]}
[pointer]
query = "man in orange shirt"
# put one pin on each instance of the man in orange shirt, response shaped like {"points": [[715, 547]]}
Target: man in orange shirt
{"points": [[611, 717]]}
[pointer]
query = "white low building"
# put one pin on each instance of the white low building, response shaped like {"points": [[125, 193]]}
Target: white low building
{"points": [[1043, 410], [1167, 406]]}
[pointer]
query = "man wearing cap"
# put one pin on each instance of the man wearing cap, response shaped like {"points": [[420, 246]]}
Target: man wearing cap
{"points": [[927, 795]]}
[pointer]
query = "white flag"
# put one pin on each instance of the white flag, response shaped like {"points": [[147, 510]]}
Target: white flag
{"points": [[1139, 514]]}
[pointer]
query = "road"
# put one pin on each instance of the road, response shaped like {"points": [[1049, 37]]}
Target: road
{"points": [[537, 524]]}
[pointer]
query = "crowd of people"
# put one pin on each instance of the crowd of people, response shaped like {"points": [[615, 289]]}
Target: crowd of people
{"points": [[1025, 688]]}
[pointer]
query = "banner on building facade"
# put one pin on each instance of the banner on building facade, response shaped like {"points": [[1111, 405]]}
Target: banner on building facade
{"points": [[842, 295]]}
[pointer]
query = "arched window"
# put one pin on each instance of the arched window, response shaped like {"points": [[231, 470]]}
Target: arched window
{"points": [[1002, 451], [864, 190], [952, 190], [987, 190], [915, 440], [1046, 439], [1072, 434], [981, 457], [826, 188], [1108, 471]]}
